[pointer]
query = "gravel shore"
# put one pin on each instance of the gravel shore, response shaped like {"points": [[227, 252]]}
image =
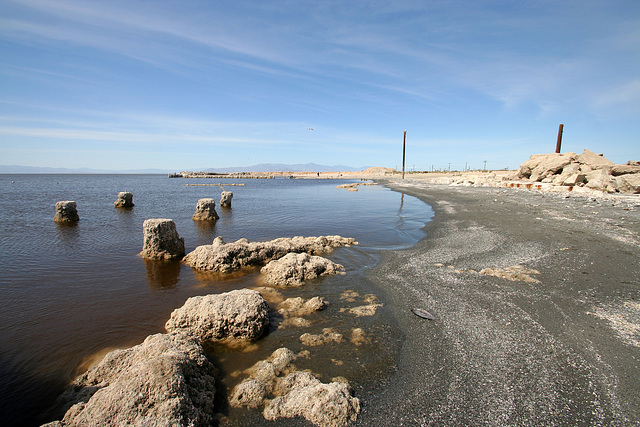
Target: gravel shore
{"points": [[560, 345]]}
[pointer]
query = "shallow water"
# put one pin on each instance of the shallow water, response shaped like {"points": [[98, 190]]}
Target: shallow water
{"points": [[69, 293]]}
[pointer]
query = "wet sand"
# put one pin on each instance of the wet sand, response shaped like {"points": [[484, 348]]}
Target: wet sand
{"points": [[562, 348]]}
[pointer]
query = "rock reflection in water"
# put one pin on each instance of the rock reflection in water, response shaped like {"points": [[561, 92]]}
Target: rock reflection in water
{"points": [[162, 274]]}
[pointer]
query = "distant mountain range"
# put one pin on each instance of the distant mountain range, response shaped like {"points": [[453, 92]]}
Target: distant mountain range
{"points": [[265, 167], [14, 169]]}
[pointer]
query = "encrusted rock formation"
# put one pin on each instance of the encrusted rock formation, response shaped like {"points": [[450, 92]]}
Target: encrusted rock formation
{"points": [[66, 212], [287, 393], [297, 306], [225, 199], [206, 210], [165, 381], [587, 169], [125, 200], [294, 268], [241, 314], [303, 395], [161, 240], [225, 257]]}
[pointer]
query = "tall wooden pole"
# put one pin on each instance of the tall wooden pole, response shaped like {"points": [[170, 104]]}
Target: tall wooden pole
{"points": [[404, 144], [559, 138]]}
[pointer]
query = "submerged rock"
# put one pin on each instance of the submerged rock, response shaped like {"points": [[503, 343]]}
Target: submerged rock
{"points": [[225, 257], [206, 210], [292, 309], [165, 381], [328, 335], [225, 199], [66, 212], [241, 314], [294, 268], [286, 392], [331, 405], [297, 306], [125, 200], [161, 240]]}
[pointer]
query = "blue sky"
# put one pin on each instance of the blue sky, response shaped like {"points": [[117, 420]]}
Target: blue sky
{"points": [[191, 84]]}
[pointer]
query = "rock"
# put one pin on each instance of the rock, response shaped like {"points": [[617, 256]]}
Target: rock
{"points": [[165, 381], [294, 268], [66, 212], [225, 257], [550, 164], [629, 183], [328, 335], [225, 199], [161, 240], [330, 405], [250, 393], [362, 310], [596, 161], [600, 180], [633, 163], [567, 172], [125, 200], [241, 314], [297, 306], [359, 337], [618, 170], [288, 393], [516, 273], [575, 179], [206, 210], [253, 391]]}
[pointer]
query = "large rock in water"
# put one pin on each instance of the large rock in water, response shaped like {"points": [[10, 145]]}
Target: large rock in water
{"points": [[294, 268], [125, 200], [225, 257], [206, 210], [225, 199], [161, 240], [240, 314], [165, 381], [66, 212]]}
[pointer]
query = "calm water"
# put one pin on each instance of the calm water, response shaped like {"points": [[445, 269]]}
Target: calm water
{"points": [[69, 293]]}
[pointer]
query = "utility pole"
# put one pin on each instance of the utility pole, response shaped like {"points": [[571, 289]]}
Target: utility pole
{"points": [[485, 165], [404, 142], [560, 129]]}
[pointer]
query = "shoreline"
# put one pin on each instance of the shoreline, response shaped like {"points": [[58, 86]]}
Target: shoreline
{"points": [[561, 349]]}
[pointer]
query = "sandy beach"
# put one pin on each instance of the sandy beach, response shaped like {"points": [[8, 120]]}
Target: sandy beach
{"points": [[558, 345]]}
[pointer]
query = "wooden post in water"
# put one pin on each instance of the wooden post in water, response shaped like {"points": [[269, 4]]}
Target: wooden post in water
{"points": [[559, 143], [404, 142]]}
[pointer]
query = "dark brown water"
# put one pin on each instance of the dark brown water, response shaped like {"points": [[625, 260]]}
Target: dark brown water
{"points": [[70, 293]]}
